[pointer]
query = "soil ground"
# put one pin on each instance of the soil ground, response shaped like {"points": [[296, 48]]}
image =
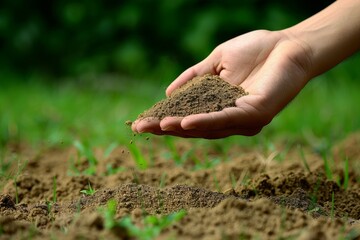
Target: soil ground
{"points": [[251, 195], [234, 193]]}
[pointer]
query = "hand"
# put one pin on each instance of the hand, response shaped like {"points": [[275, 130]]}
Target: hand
{"points": [[271, 66]]}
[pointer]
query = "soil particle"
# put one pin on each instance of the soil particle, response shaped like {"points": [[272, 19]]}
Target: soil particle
{"points": [[208, 93]]}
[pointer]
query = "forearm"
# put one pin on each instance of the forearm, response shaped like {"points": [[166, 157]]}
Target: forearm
{"points": [[330, 36]]}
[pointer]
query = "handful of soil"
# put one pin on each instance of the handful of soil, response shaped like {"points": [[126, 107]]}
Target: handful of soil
{"points": [[204, 94]]}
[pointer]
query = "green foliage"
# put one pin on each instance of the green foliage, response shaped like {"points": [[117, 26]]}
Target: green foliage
{"points": [[85, 151], [138, 156], [131, 37], [89, 190], [152, 225], [346, 174], [332, 211]]}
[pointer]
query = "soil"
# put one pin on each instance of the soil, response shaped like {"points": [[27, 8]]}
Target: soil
{"points": [[246, 194], [203, 94]]}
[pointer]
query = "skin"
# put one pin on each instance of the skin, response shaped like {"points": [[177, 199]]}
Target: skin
{"points": [[273, 66]]}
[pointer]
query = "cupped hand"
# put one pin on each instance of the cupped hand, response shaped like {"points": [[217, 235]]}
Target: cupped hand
{"points": [[270, 65]]}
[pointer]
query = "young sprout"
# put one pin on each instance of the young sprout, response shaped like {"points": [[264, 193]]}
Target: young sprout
{"points": [[303, 158], [327, 167], [89, 191], [54, 190], [84, 150], [138, 157], [346, 174], [332, 213]]}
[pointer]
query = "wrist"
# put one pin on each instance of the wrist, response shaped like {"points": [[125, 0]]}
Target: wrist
{"points": [[330, 36]]}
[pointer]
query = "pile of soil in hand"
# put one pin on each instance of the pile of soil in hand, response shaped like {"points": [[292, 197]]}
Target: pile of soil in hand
{"points": [[203, 94]]}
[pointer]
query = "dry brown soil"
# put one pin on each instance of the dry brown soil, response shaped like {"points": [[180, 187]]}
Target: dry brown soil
{"points": [[208, 93], [249, 194], [244, 194]]}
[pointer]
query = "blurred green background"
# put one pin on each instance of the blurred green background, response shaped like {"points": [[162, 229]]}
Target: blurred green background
{"points": [[79, 69], [156, 38]]}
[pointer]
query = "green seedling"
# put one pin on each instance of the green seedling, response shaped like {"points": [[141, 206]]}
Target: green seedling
{"points": [[169, 142], [174, 154], [54, 190], [20, 168], [89, 191], [110, 170], [346, 174], [242, 181], [327, 167], [303, 158], [206, 164], [313, 196], [84, 150], [138, 157], [332, 213], [152, 225], [5, 165], [162, 180], [110, 149], [216, 181]]}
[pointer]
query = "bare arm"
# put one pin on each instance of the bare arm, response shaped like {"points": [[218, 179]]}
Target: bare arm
{"points": [[330, 35]]}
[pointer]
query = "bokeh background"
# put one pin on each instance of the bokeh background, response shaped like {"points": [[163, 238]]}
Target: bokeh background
{"points": [[153, 38], [77, 70]]}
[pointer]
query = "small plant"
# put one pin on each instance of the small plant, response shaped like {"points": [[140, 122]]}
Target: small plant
{"points": [[332, 213], [152, 225], [110, 170], [169, 141], [327, 167], [303, 158], [162, 180], [20, 168], [243, 179], [216, 181], [89, 191], [138, 157], [346, 174], [84, 150], [54, 190], [206, 164]]}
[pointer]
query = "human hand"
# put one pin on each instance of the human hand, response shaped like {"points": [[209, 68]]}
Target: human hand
{"points": [[271, 66]]}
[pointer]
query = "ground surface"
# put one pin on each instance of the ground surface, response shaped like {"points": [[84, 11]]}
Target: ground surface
{"points": [[283, 189], [246, 193]]}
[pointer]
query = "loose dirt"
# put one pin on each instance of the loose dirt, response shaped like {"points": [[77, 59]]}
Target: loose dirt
{"points": [[208, 93], [238, 194]]}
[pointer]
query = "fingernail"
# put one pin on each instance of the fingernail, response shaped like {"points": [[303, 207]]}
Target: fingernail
{"points": [[168, 128], [188, 127]]}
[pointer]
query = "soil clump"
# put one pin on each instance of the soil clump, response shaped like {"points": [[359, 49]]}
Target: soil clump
{"points": [[202, 94]]}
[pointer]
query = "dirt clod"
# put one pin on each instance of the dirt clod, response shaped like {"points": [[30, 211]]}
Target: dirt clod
{"points": [[204, 94]]}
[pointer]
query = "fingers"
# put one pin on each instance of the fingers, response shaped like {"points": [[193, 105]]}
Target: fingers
{"points": [[213, 134], [172, 126], [234, 117], [146, 125], [208, 65]]}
